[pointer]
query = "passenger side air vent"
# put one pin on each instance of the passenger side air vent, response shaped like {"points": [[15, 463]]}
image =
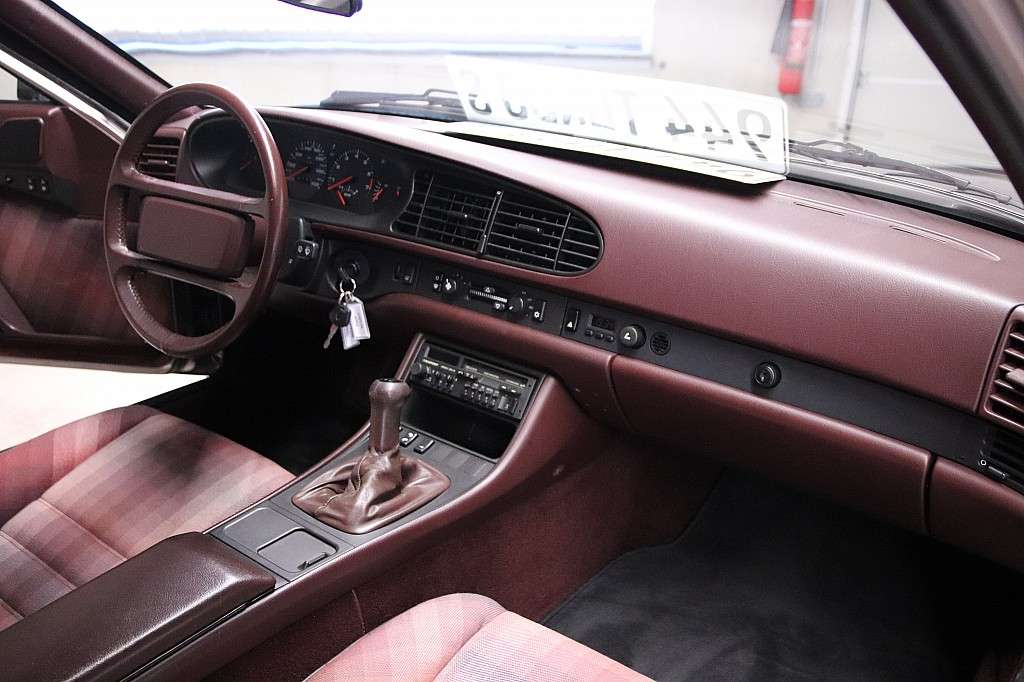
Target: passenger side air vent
{"points": [[1003, 458], [446, 210], [543, 236], [159, 158], [500, 224], [1005, 399]]}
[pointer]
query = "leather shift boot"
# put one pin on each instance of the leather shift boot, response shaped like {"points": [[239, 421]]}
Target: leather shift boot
{"points": [[371, 492]]}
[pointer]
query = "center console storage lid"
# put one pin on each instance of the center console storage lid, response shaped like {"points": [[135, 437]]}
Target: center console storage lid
{"points": [[114, 625]]}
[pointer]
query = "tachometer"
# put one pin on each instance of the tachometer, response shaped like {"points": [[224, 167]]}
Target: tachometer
{"points": [[306, 168]]}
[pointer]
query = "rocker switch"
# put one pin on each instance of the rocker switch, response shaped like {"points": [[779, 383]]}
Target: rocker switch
{"points": [[572, 321]]}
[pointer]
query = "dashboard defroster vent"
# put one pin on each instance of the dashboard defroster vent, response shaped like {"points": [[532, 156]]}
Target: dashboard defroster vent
{"points": [[499, 223], [159, 158], [446, 210], [1005, 397]]}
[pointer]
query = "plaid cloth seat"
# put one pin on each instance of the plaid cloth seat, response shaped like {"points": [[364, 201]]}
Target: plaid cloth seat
{"points": [[79, 500], [468, 637]]}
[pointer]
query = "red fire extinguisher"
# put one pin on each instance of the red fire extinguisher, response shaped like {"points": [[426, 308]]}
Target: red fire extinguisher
{"points": [[791, 73]]}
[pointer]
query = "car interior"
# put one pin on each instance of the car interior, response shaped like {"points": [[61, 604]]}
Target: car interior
{"points": [[479, 409]]}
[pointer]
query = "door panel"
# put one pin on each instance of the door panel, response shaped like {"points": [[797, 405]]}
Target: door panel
{"points": [[56, 302], [52, 266]]}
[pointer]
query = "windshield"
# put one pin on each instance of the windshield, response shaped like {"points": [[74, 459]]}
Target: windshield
{"points": [[844, 71]]}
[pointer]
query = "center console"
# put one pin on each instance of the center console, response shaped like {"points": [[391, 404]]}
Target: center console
{"points": [[454, 421], [490, 429]]}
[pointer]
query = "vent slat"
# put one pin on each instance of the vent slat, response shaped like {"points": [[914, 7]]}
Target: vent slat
{"points": [[572, 242], [1006, 402], [516, 254], [1008, 387], [514, 218], [558, 215], [159, 158], [1014, 353], [499, 231]]}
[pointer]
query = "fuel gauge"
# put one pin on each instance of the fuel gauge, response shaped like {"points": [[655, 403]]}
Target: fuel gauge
{"points": [[388, 188]]}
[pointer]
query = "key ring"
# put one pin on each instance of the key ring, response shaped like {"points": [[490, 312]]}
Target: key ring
{"points": [[346, 279]]}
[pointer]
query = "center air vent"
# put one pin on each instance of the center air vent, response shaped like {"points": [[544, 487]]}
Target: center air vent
{"points": [[542, 235], [500, 223], [159, 158], [446, 210], [1005, 399]]}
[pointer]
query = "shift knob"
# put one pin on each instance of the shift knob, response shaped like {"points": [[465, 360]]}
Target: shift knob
{"points": [[387, 396]]}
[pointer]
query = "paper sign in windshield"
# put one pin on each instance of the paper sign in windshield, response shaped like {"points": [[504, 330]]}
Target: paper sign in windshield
{"points": [[693, 120]]}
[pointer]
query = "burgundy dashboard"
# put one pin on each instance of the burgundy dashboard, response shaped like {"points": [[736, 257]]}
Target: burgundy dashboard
{"points": [[626, 286]]}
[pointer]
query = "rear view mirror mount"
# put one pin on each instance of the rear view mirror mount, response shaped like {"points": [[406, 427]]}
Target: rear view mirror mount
{"points": [[345, 8]]}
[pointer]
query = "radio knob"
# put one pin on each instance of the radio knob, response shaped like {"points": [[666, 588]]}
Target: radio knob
{"points": [[632, 336], [416, 371], [517, 306]]}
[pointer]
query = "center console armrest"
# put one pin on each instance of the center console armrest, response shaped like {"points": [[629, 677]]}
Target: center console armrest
{"points": [[114, 625]]}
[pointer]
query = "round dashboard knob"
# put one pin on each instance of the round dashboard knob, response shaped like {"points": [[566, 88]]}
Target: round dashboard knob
{"points": [[449, 286], [516, 306], [767, 375], [632, 336]]}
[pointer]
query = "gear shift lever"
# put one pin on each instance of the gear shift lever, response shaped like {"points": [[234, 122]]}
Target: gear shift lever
{"points": [[381, 484], [387, 397]]}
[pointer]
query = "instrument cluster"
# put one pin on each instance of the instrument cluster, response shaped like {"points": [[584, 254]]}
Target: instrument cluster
{"points": [[327, 173], [341, 176]]}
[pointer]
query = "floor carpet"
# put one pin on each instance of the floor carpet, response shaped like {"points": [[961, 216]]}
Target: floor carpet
{"points": [[768, 584]]}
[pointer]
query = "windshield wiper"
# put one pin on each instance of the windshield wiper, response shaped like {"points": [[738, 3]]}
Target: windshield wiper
{"points": [[850, 153], [434, 104]]}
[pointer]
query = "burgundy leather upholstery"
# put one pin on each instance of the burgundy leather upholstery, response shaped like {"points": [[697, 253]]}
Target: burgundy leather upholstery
{"points": [[81, 499], [468, 637]]}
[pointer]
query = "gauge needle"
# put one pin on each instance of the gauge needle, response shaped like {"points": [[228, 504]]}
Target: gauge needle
{"points": [[296, 173], [339, 183], [341, 197]]}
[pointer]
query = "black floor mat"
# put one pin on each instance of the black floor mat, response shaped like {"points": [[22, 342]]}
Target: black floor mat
{"points": [[770, 585]]}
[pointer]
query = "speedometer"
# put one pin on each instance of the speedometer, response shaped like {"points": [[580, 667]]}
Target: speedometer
{"points": [[306, 168]]}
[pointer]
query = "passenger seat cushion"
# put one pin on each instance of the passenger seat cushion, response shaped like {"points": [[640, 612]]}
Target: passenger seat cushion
{"points": [[468, 637], [161, 477]]}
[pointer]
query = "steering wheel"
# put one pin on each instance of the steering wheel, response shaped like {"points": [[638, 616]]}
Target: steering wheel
{"points": [[224, 242]]}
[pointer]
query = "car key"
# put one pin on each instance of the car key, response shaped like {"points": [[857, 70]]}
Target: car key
{"points": [[340, 317]]}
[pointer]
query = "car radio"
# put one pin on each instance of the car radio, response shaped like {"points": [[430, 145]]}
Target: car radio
{"points": [[480, 383]]}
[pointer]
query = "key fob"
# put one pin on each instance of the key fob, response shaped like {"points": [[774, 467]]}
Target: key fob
{"points": [[340, 315]]}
